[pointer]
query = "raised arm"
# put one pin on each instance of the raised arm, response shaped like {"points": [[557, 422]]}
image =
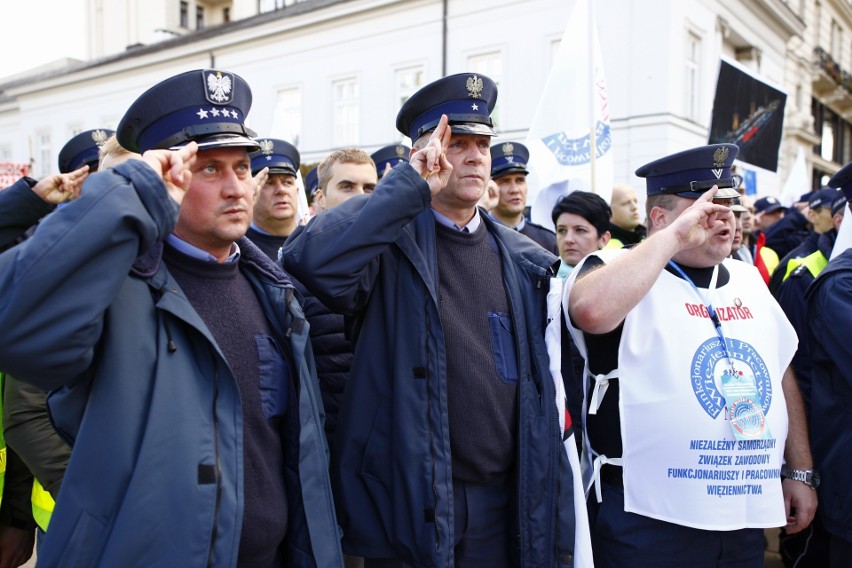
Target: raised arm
{"points": [[600, 299], [55, 287], [336, 255]]}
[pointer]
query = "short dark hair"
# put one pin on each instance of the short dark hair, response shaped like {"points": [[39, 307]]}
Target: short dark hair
{"points": [[667, 201], [589, 206]]}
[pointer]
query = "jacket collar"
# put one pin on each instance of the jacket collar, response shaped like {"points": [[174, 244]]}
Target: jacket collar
{"points": [[524, 251], [147, 266]]}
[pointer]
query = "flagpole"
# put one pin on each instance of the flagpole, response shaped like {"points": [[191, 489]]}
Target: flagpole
{"points": [[592, 132]]}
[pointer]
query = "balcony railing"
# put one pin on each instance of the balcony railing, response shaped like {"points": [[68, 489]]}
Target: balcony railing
{"points": [[832, 70]]}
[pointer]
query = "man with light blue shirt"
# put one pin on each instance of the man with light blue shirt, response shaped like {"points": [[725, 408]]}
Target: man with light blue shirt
{"points": [[448, 450], [188, 353]]}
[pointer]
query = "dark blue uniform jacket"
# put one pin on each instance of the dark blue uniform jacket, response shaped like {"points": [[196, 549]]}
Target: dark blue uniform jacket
{"points": [[375, 258], [145, 394], [830, 314]]}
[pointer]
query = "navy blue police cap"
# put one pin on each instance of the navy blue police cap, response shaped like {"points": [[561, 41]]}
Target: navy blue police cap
{"points": [[842, 180], [394, 154], [312, 182], [82, 149], [279, 156], [509, 158], [693, 172], [805, 197], [466, 98], [207, 106], [823, 197], [838, 204], [768, 204]]}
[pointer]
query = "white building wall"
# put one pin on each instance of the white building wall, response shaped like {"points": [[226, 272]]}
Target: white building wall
{"points": [[643, 46]]}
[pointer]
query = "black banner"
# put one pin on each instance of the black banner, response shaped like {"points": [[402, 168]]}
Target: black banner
{"points": [[749, 113]]}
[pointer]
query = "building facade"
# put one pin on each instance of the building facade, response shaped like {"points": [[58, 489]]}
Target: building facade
{"points": [[330, 73]]}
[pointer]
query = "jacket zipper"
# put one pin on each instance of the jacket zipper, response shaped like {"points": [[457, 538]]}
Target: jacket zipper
{"points": [[217, 509], [432, 439]]}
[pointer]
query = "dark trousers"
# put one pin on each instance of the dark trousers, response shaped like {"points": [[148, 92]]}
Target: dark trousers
{"points": [[483, 527], [622, 539], [840, 552]]}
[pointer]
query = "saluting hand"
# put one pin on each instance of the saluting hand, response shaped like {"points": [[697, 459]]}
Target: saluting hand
{"points": [[59, 188], [701, 221], [431, 160], [174, 167], [260, 180]]}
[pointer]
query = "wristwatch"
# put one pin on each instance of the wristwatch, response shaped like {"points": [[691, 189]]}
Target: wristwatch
{"points": [[807, 476]]}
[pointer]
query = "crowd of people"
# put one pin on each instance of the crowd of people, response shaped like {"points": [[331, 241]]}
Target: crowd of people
{"points": [[195, 373]]}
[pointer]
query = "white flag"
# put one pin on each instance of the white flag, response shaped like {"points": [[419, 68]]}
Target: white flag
{"points": [[572, 118], [797, 182]]}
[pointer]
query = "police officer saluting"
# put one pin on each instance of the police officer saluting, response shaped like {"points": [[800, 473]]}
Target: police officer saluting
{"points": [[178, 351], [277, 200], [692, 406], [448, 444]]}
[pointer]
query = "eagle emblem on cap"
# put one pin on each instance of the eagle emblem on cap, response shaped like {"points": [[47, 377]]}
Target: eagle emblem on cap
{"points": [[266, 146], [719, 156], [400, 151], [99, 137], [219, 87], [474, 86], [508, 149]]}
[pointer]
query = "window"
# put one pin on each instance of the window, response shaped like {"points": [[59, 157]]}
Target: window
{"points": [[226, 14], [490, 65], [199, 17], [408, 81], [835, 134], [269, 5], [184, 14], [287, 116], [691, 76], [345, 101], [44, 162], [836, 41]]}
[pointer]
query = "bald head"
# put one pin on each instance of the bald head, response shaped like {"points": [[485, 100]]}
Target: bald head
{"points": [[625, 207]]}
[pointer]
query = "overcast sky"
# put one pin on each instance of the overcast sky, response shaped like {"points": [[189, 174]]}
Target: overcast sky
{"points": [[40, 31]]}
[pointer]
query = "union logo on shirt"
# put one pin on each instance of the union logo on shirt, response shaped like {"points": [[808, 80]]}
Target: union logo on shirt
{"points": [[711, 360]]}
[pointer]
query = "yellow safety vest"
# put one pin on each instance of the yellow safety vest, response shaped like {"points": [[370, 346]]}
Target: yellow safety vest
{"points": [[2, 440], [814, 262], [614, 244], [770, 259], [42, 502], [43, 505]]}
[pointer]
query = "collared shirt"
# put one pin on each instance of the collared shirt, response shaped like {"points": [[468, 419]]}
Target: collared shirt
{"points": [[471, 226], [259, 230], [195, 252]]}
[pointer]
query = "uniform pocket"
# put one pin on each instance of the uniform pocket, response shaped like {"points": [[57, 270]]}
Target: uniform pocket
{"points": [[503, 346], [274, 381]]}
